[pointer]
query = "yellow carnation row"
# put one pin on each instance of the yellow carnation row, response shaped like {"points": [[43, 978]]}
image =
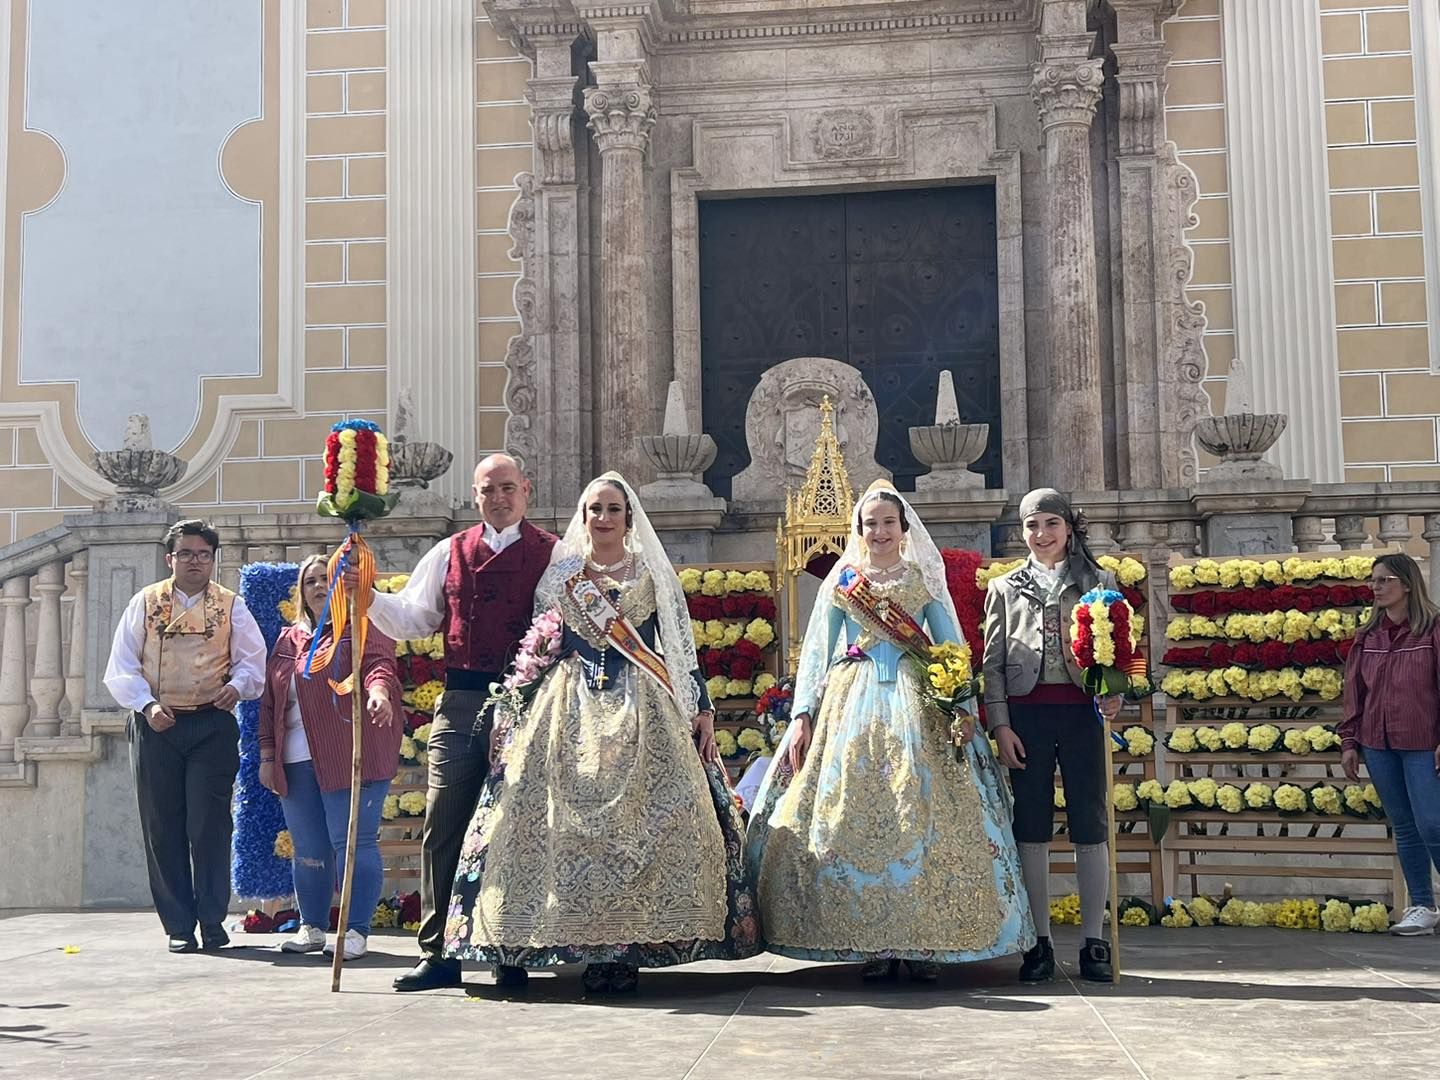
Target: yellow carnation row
{"points": [[1208, 794], [1251, 572], [432, 647], [986, 574], [1287, 626], [1291, 683], [1127, 571], [392, 584], [1262, 738], [410, 804], [724, 582], [722, 686], [1335, 916], [716, 634], [424, 696]]}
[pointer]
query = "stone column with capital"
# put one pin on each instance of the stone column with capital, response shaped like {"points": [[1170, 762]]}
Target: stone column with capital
{"points": [[1066, 89], [622, 114]]}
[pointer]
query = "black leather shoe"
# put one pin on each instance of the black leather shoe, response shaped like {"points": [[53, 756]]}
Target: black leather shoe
{"points": [[182, 943], [429, 974], [511, 978], [1095, 961], [1038, 963], [213, 937]]}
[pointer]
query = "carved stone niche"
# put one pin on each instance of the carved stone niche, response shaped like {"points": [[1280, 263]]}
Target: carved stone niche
{"points": [[782, 423]]}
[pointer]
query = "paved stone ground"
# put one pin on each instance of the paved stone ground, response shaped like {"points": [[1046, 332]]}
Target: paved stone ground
{"points": [[1211, 1004]]}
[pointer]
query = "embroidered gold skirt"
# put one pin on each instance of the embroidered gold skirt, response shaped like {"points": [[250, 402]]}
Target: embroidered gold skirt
{"points": [[886, 844], [602, 837]]}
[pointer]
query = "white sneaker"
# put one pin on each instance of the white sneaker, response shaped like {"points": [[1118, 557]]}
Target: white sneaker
{"points": [[356, 945], [1417, 921], [307, 939]]}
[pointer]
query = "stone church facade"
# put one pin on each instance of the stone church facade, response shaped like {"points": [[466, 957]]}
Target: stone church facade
{"points": [[533, 216]]}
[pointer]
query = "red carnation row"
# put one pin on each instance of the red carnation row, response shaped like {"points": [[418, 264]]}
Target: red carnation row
{"points": [[740, 661], [1267, 656], [332, 460], [969, 599], [1083, 642], [1261, 600], [747, 605], [415, 670], [1133, 596]]}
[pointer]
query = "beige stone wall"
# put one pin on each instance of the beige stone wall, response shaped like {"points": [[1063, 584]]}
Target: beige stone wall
{"points": [[502, 150], [1389, 399], [276, 464], [1388, 395]]}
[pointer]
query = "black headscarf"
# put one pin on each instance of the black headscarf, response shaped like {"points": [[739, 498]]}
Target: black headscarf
{"points": [[1078, 556]]}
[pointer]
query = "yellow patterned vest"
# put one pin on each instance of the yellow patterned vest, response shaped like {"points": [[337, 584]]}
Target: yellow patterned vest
{"points": [[186, 659]]}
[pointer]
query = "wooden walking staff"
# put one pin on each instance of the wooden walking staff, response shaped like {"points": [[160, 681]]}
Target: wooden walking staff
{"points": [[357, 481], [339, 607]]}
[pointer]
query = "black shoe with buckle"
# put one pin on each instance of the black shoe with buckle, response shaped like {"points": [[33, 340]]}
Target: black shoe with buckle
{"points": [[1095, 961], [183, 943], [429, 974], [213, 936], [1038, 963], [509, 977]]}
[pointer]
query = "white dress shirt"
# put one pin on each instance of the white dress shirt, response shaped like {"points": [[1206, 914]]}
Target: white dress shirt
{"points": [[126, 681], [418, 610]]}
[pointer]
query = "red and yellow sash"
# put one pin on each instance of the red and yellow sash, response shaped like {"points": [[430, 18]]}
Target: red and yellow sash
{"points": [[606, 620], [890, 618]]}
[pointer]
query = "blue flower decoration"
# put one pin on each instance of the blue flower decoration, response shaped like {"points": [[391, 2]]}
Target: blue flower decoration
{"points": [[1105, 596], [255, 870]]}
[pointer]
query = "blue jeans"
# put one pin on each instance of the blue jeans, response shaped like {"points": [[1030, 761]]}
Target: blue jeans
{"points": [[319, 822], [1410, 792]]}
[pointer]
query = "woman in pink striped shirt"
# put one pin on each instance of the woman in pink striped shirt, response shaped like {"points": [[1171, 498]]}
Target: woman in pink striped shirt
{"points": [[1392, 717], [305, 758]]}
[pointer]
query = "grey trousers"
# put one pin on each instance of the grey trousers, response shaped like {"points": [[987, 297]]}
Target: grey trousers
{"points": [[184, 780], [459, 752]]}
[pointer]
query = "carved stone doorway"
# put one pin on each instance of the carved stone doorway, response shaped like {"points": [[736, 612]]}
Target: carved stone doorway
{"points": [[901, 284]]}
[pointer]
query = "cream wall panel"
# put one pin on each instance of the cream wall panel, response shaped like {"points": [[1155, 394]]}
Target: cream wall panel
{"points": [[133, 274]]}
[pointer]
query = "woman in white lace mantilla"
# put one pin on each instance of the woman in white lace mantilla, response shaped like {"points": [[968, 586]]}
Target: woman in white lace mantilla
{"points": [[872, 839], [607, 833]]}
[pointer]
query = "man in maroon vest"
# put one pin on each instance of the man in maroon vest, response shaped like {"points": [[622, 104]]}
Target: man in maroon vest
{"points": [[478, 589]]}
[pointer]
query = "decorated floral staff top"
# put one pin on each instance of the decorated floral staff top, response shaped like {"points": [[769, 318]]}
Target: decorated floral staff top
{"points": [[1105, 638], [357, 473]]}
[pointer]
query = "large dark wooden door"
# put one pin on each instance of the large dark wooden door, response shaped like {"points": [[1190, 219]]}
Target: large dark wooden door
{"points": [[899, 284]]}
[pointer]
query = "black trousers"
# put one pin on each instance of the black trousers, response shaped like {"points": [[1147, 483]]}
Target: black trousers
{"points": [[459, 752], [184, 781], [1071, 736]]}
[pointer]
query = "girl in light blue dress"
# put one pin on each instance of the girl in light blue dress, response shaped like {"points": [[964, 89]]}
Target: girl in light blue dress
{"points": [[873, 838]]}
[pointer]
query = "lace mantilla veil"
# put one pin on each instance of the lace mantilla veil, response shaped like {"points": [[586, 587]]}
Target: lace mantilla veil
{"points": [[676, 641], [919, 548]]}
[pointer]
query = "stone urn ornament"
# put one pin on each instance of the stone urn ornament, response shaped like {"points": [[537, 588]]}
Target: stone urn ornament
{"points": [[947, 446], [1240, 436], [678, 457], [414, 463], [138, 470]]}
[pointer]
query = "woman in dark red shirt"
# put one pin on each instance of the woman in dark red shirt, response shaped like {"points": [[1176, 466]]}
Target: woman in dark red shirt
{"points": [[305, 758], [1392, 717]]}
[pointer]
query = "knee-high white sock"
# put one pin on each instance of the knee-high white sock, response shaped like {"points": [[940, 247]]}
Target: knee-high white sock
{"points": [[1035, 872], [1092, 871]]}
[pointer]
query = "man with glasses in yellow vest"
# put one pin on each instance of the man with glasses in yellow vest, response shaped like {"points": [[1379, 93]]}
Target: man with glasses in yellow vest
{"points": [[187, 651]]}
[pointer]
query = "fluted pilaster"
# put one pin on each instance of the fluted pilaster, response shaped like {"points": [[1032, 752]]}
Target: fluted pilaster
{"points": [[1283, 277], [430, 208]]}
